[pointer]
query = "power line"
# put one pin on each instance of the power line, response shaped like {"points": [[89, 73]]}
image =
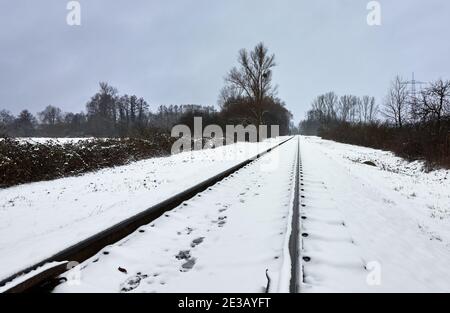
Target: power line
{"points": [[413, 83]]}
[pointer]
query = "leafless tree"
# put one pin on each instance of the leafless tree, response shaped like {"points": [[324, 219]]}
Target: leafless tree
{"points": [[6, 122], [102, 111], [50, 116], [319, 108], [367, 109], [325, 107], [396, 104], [434, 103], [347, 107], [253, 78], [25, 124], [226, 94], [330, 100]]}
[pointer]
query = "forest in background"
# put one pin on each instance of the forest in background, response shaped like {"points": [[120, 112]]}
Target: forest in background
{"points": [[124, 129], [248, 97], [415, 127]]}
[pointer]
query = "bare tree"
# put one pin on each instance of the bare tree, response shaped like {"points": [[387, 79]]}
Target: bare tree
{"points": [[50, 116], [25, 124], [75, 124], [319, 108], [367, 109], [396, 105], [6, 122], [434, 104], [227, 93], [102, 111], [347, 108], [330, 100], [253, 78]]}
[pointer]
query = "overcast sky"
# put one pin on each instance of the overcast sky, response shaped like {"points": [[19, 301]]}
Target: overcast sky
{"points": [[178, 51]]}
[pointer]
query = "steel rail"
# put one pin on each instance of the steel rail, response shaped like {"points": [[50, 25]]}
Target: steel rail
{"points": [[294, 240]]}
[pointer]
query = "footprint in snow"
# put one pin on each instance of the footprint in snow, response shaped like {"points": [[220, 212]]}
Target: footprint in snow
{"points": [[133, 282], [188, 265], [189, 230], [197, 241], [183, 255], [222, 223]]}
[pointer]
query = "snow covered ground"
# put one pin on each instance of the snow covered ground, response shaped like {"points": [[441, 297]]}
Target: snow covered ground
{"points": [[383, 228], [388, 224], [40, 219], [224, 240], [43, 140]]}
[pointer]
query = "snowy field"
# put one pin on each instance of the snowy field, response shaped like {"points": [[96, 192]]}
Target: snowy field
{"points": [[392, 219], [383, 228], [370, 229], [222, 241], [44, 140], [40, 219]]}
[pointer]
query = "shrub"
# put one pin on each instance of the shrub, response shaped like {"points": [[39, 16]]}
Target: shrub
{"points": [[24, 162]]}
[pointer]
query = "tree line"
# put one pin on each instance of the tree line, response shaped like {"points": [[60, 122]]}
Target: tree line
{"points": [[247, 98], [413, 126], [107, 114], [329, 110]]}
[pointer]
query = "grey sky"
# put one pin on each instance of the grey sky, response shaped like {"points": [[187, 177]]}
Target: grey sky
{"points": [[178, 51]]}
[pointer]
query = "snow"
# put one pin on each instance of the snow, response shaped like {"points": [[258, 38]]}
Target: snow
{"points": [[383, 228], [29, 275], [221, 241], [393, 218], [45, 140], [286, 272], [40, 219]]}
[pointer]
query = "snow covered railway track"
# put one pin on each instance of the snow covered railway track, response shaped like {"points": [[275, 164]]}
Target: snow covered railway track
{"points": [[44, 275], [294, 240]]}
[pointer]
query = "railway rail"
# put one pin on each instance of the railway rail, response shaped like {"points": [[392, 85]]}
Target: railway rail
{"points": [[46, 279], [294, 240]]}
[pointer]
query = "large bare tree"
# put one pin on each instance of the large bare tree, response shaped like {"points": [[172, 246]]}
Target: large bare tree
{"points": [[396, 104], [253, 79], [434, 103]]}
